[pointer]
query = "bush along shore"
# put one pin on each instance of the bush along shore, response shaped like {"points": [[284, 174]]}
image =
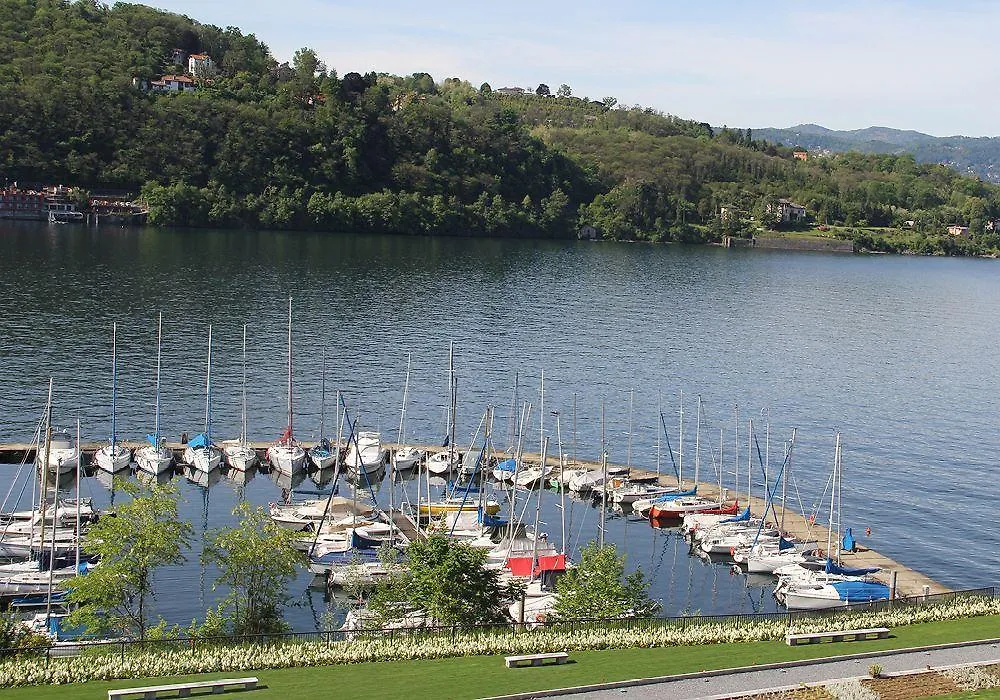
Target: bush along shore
{"points": [[182, 657]]}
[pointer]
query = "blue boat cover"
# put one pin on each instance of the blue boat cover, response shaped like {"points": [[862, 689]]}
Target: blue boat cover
{"points": [[322, 449], [462, 488], [672, 496], [861, 591], [199, 440], [784, 544], [741, 518], [488, 520], [508, 465], [152, 440], [350, 556], [832, 568]]}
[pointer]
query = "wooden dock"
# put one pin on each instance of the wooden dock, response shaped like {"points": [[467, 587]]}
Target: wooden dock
{"points": [[909, 582]]}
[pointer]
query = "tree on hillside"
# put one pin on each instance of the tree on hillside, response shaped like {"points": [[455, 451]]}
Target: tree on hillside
{"points": [[542, 90], [256, 561], [610, 102], [448, 582], [132, 542], [564, 91], [598, 587], [485, 89]]}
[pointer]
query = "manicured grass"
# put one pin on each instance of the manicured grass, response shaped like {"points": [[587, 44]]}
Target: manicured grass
{"points": [[479, 676]]}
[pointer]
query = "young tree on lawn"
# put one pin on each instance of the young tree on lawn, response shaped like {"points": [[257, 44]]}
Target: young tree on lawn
{"points": [[256, 561], [139, 537], [447, 581], [598, 587]]}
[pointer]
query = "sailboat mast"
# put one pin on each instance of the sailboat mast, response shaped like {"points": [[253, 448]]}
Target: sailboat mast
{"points": [[79, 459], [538, 515], [451, 408], [290, 367], [697, 445], [833, 497], [680, 445], [44, 468], [159, 342], [208, 389], [562, 481], [631, 398], [243, 432], [322, 400], [736, 450], [659, 412], [604, 479], [749, 461], [402, 412], [114, 386]]}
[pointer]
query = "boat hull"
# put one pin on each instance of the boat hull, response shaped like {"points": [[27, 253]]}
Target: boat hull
{"points": [[287, 459], [113, 458], [241, 457], [154, 460]]}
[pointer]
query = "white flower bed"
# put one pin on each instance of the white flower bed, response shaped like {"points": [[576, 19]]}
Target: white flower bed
{"points": [[850, 690], [973, 678], [109, 665]]}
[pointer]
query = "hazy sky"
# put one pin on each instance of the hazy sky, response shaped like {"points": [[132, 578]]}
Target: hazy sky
{"points": [[927, 65]]}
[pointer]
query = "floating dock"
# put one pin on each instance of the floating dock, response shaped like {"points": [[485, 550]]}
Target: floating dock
{"points": [[909, 582]]}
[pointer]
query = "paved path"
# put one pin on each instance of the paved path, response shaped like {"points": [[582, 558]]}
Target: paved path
{"points": [[725, 684]]}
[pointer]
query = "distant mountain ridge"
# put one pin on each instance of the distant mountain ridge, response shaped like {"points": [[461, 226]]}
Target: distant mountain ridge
{"points": [[969, 155]]}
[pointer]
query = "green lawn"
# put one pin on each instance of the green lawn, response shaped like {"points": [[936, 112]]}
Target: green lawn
{"points": [[475, 677]]}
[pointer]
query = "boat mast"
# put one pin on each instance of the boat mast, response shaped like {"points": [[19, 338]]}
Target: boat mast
{"points": [[833, 497], [52, 548], [659, 412], [562, 480], [541, 417], [538, 515], [631, 397], [604, 479], [749, 461], [784, 481], [208, 390], [79, 459], [243, 433], [680, 446], [114, 387], [44, 476], [697, 445], [159, 342], [736, 450], [322, 400], [289, 369]]}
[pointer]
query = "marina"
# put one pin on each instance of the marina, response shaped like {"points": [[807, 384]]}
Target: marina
{"points": [[595, 344]]}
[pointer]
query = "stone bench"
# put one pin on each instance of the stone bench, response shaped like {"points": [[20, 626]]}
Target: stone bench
{"points": [[838, 636], [559, 657], [183, 690]]}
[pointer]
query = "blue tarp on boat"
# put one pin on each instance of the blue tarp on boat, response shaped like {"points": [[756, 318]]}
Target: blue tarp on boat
{"points": [[671, 496], [152, 440], [199, 440], [508, 465], [832, 568], [741, 518], [861, 591], [350, 556]]}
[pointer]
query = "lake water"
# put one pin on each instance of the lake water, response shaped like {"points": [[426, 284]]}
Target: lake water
{"points": [[896, 353]]}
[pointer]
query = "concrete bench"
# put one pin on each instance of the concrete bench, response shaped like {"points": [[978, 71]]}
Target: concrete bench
{"points": [[183, 690], [838, 636], [559, 657]]}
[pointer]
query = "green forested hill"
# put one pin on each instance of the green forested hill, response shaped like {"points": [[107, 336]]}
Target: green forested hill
{"points": [[260, 144]]}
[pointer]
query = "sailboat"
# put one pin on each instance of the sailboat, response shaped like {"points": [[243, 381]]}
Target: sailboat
{"points": [[114, 457], [405, 456], [201, 453], [237, 453], [155, 457], [834, 586], [323, 454], [286, 455], [62, 454]]}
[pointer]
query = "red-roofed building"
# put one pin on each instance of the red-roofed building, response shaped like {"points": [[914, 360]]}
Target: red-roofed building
{"points": [[200, 64]]}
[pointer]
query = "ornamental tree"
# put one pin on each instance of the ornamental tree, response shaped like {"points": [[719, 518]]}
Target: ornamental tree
{"points": [[598, 587]]}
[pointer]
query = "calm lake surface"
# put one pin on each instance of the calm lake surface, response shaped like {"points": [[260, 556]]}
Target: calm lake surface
{"points": [[899, 354]]}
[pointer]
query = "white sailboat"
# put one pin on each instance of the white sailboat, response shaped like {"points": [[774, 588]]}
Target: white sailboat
{"points": [[237, 453], [324, 454], [62, 454], [365, 452], [286, 455], [114, 457], [405, 456], [201, 453], [155, 457]]}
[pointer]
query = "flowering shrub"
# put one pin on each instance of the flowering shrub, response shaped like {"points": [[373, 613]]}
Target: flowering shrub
{"points": [[111, 663], [973, 677]]}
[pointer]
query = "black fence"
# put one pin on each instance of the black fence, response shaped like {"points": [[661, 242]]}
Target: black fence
{"points": [[124, 647]]}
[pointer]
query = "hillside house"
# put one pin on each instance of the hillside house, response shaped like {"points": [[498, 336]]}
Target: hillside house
{"points": [[172, 83], [178, 57], [800, 155], [958, 231], [200, 64], [787, 212]]}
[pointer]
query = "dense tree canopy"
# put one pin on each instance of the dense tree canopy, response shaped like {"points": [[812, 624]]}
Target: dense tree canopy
{"points": [[263, 144]]}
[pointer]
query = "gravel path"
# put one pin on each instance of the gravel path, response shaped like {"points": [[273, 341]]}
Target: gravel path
{"points": [[747, 681]]}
